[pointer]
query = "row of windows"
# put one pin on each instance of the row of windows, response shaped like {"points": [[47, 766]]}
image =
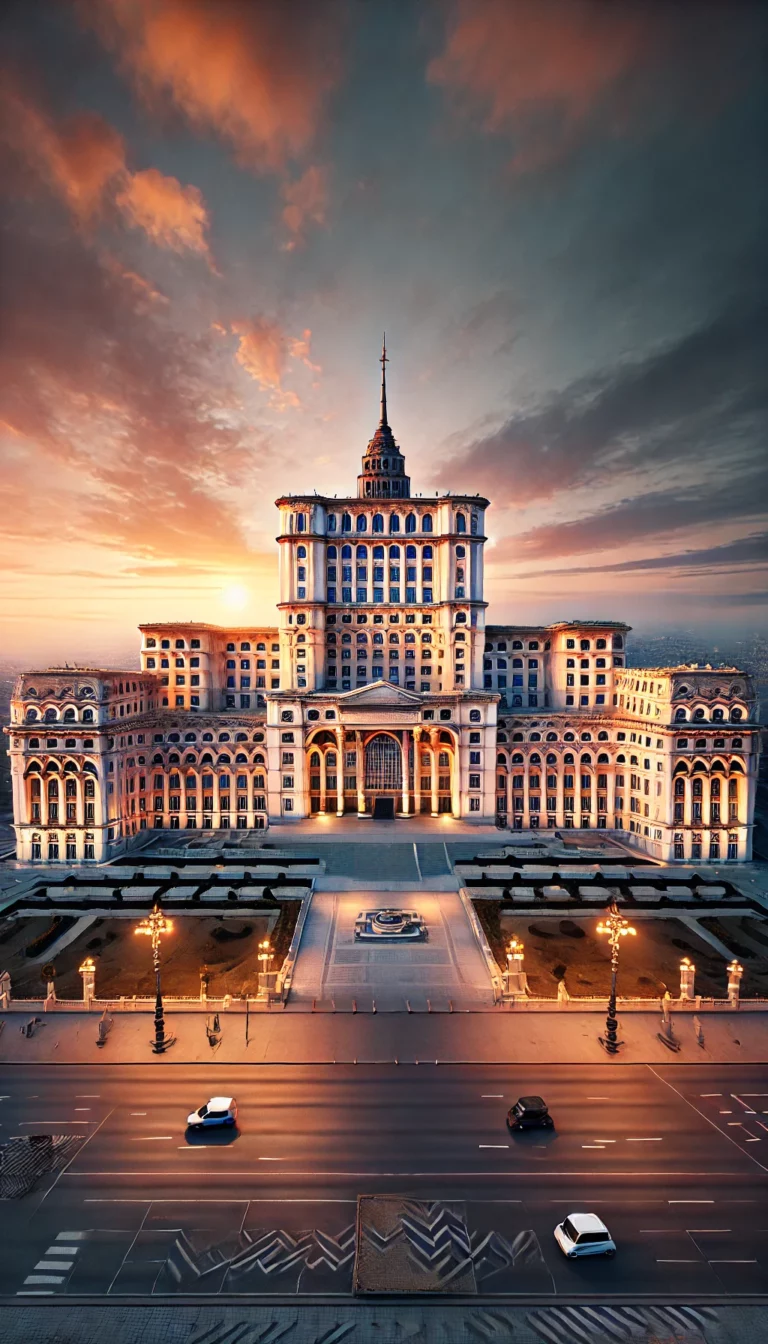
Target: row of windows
{"points": [[700, 715], [359, 522], [52, 716], [378, 552]]}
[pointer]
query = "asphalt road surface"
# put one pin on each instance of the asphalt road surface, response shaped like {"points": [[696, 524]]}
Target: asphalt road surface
{"points": [[674, 1159]]}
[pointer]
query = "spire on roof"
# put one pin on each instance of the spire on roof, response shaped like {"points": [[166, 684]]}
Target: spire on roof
{"points": [[383, 362]]}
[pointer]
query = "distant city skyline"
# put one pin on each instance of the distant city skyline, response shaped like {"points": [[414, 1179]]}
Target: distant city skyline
{"points": [[212, 212]]}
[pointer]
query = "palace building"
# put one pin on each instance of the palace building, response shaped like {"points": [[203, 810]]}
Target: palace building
{"points": [[382, 691]]}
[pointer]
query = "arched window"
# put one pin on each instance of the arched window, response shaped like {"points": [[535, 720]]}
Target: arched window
{"points": [[551, 737], [362, 523], [461, 522], [331, 553], [679, 787], [602, 737], [426, 523], [346, 552], [736, 714], [680, 716], [410, 522], [378, 522], [535, 737], [346, 522], [568, 758], [518, 758], [50, 716], [698, 715], [362, 552], [32, 716], [301, 522], [394, 522], [301, 552], [473, 525], [551, 758], [331, 522], [69, 715], [717, 715], [603, 759]]}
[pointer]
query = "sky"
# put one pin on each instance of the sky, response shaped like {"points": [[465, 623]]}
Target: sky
{"points": [[211, 212]]}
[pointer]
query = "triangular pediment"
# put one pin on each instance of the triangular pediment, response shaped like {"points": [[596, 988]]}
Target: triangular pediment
{"points": [[380, 693]]}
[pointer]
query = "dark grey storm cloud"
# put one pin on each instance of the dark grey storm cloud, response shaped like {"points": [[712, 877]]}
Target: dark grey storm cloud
{"points": [[697, 405], [748, 552]]}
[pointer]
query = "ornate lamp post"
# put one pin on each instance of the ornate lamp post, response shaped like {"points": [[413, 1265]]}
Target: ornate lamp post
{"points": [[154, 926], [617, 927]]}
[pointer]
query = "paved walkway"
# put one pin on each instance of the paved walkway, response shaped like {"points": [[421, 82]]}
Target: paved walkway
{"points": [[516, 1036], [387, 1323], [332, 968]]}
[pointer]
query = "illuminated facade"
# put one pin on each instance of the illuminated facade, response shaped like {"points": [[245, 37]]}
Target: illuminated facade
{"points": [[382, 690]]}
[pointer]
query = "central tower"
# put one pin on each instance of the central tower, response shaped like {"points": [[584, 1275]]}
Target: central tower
{"points": [[383, 475]]}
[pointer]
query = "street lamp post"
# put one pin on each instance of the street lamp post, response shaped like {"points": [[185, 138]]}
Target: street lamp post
{"points": [[154, 926], [617, 927], [265, 957]]}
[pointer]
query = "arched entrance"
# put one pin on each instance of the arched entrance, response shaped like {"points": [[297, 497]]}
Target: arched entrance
{"points": [[383, 775]]}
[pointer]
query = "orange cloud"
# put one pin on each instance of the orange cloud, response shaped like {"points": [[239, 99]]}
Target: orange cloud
{"points": [[306, 201], [539, 71], [83, 162], [264, 351], [171, 215], [256, 74]]}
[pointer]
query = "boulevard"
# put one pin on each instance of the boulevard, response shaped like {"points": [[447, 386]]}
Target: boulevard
{"points": [[672, 1158]]}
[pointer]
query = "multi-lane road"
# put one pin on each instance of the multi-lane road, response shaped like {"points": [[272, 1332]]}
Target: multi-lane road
{"points": [[674, 1159]]}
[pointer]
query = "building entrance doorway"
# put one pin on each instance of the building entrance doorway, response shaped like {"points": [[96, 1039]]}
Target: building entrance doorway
{"points": [[383, 775]]}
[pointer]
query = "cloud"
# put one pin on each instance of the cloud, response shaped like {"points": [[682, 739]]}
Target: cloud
{"points": [[672, 409], [130, 423], [83, 162], [306, 201], [171, 215], [746, 552], [547, 76], [257, 75], [264, 350]]}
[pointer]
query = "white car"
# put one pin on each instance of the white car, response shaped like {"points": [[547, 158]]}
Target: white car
{"points": [[584, 1234], [217, 1111]]}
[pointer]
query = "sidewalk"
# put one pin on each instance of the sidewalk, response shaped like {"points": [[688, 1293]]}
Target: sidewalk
{"points": [[507, 1037]]}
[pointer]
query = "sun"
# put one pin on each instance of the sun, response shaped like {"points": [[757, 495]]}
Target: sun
{"points": [[235, 596]]}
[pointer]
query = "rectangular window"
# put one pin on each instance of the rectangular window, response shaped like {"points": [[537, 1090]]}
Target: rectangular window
{"points": [[362, 594], [427, 595], [474, 804], [410, 594], [474, 781]]}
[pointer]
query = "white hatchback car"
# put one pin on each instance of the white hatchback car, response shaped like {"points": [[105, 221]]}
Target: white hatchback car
{"points": [[218, 1111], [584, 1234]]}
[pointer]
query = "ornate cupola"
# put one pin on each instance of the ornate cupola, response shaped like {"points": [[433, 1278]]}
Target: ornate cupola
{"points": [[383, 475]]}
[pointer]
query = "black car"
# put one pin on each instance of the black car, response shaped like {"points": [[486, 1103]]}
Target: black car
{"points": [[530, 1113]]}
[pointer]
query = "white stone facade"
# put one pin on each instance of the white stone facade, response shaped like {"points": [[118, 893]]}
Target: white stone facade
{"points": [[382, 687]]}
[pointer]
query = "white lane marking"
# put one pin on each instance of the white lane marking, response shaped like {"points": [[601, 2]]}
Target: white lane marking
{"points": [[83, 1096], [271, 1159], [754, 1094], [712, 1123], [54, 1264], [152, 1138], [406, 1175], [690, 1201], [493, 1145], [753, 1140], [762, 1126], [726, 1112], [416, 860], [644, 1140], [35, 1292], [598, 1098], [138, 1112], [710, 1094], [699, 1230], [678, 1262], [733, 1262], [82, 1108], [594, 1145], [44, 1278], [605, 1141], [27, 1123], [488, 1096], [71, 1236]]}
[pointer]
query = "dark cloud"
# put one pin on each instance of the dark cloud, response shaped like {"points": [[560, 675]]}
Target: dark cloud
{"points": [[746, 552], [670, 408]]}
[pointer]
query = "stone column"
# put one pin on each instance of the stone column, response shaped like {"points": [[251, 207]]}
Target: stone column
{"points": [[360, 756], [453, 756], [340, 745], [433, 749], [404, 756], [417, 772], [610, 797], [560, 811], [687, 975]]}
